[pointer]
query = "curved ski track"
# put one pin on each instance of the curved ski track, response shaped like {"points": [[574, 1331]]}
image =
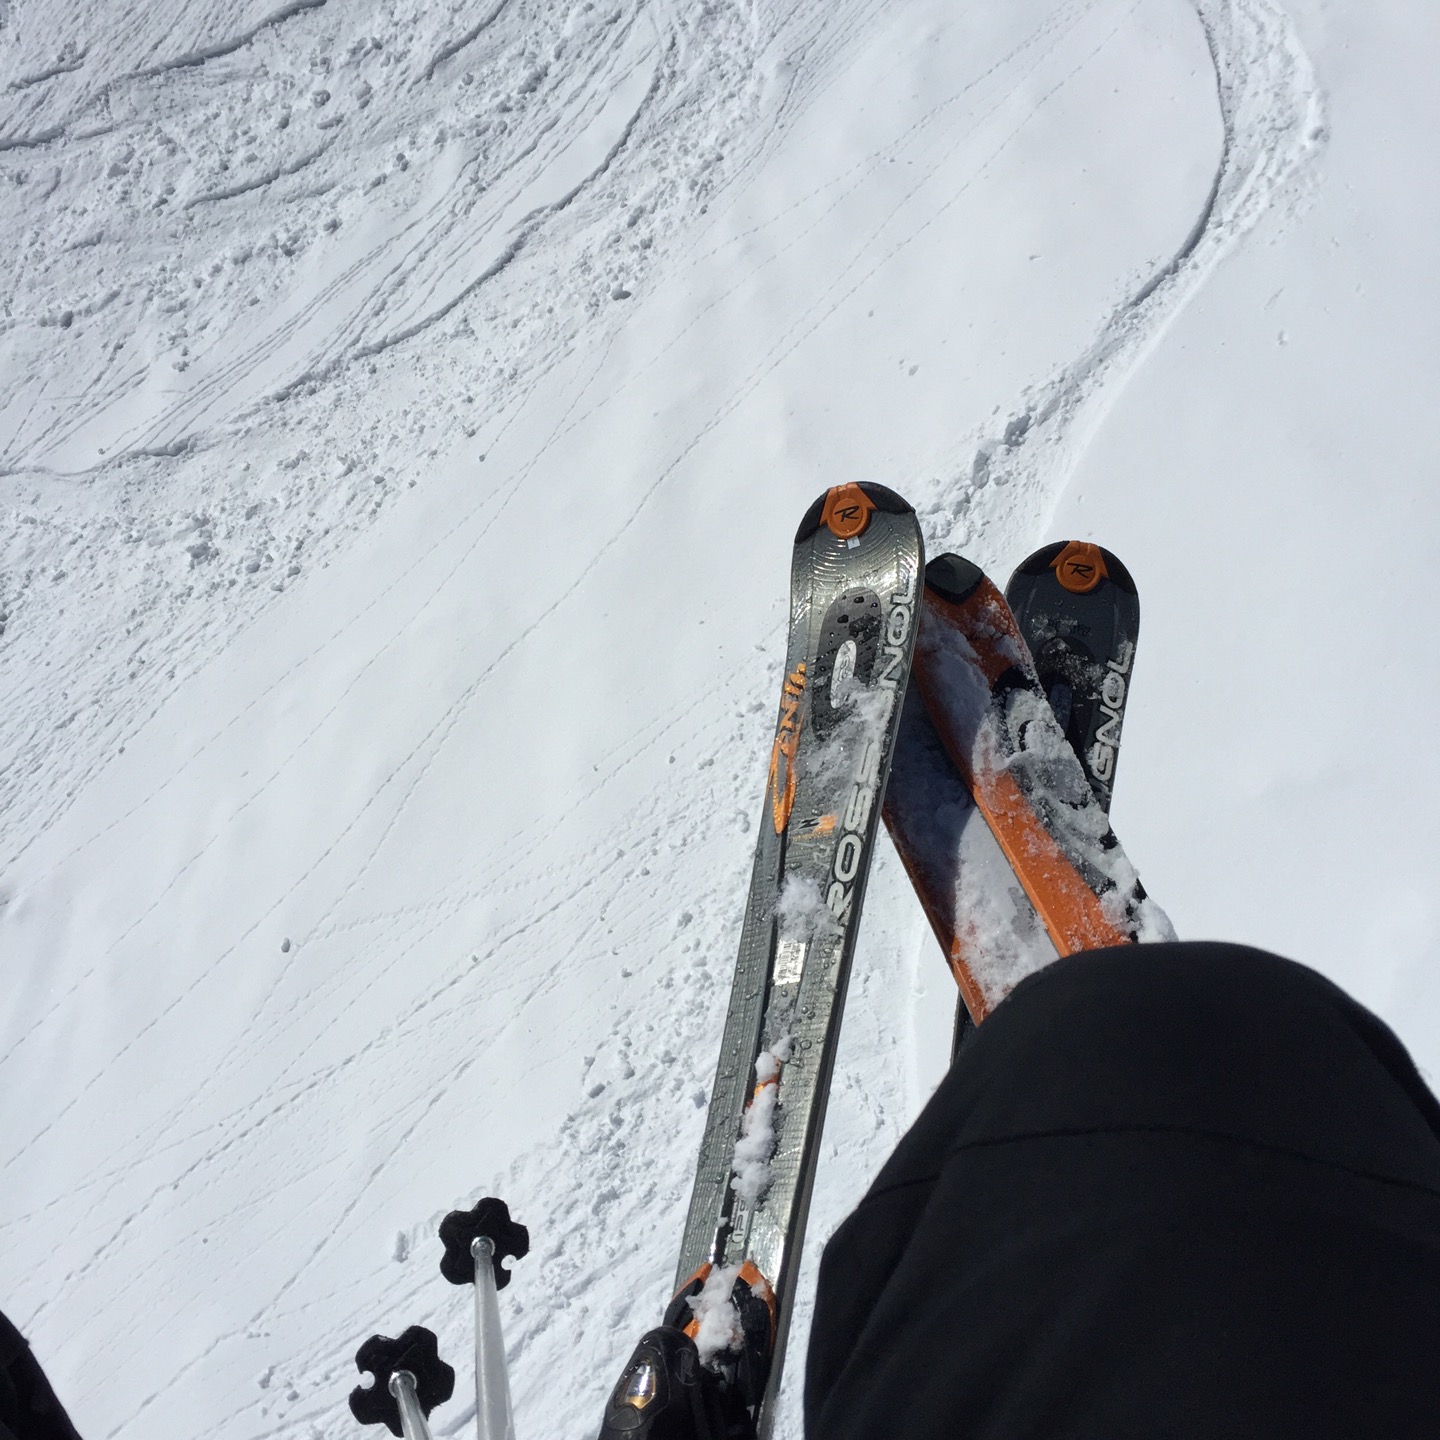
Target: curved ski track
{"points": [[1272, 126]]}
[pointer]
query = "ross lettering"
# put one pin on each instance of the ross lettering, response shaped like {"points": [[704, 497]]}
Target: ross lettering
{"points": [[843, 673], [897, 627], [860, 808], [894, 660], [870, 763], [847, 856]]}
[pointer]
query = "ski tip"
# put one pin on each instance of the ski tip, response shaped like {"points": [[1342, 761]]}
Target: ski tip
{"points": [[953, 578], [845, 510], [1075, 564], [886, 500]]}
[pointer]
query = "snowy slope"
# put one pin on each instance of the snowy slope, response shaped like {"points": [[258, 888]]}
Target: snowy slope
{"points": [[406, 411], [1288, 418]]}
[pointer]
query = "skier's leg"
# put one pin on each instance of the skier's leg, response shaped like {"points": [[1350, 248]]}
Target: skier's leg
{"points": [[1178, 1190], [29, 1409]]}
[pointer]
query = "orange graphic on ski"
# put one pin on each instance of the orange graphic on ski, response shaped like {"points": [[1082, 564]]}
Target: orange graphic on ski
{"points": [[783, 751], [983, 644]]}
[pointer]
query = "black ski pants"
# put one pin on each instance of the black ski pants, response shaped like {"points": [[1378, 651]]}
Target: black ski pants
{"points": [[1165, 1191], [28, 1407]]}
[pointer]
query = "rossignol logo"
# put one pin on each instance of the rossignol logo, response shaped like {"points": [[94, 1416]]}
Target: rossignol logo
{"points": [[1080, 567], [847, 511], [855, 824], [782, 752], [1112, 704]]}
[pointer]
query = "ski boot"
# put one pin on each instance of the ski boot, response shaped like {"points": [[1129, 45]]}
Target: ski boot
{"points": [[668, 1392]]}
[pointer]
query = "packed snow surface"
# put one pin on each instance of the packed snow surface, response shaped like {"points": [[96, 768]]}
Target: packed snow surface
{"points": [[405, 410]]}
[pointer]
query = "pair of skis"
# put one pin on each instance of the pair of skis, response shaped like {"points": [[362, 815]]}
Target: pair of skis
{"points": [[999, 798], [994, 779]]}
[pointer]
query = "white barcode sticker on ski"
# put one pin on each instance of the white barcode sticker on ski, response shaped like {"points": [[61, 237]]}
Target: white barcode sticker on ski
{"points": [[789, 961]]}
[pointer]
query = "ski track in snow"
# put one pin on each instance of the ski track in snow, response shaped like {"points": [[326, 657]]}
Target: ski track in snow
{"points": [[445, 228], [1272, 127], [176, 179]]}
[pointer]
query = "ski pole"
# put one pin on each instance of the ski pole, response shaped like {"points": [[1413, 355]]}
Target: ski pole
{"points": [[476, 1241], [412, 1417]]}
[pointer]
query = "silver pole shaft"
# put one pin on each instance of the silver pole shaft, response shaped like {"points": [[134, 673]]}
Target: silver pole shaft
{"points": [[412, 1417], [493, 1418]]}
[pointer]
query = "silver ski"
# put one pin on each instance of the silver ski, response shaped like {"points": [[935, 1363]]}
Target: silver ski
{"points": [[855, 578]]}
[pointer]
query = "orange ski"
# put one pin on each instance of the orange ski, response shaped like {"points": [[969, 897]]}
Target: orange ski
{"points": [[987, 928], [985, 712]]}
